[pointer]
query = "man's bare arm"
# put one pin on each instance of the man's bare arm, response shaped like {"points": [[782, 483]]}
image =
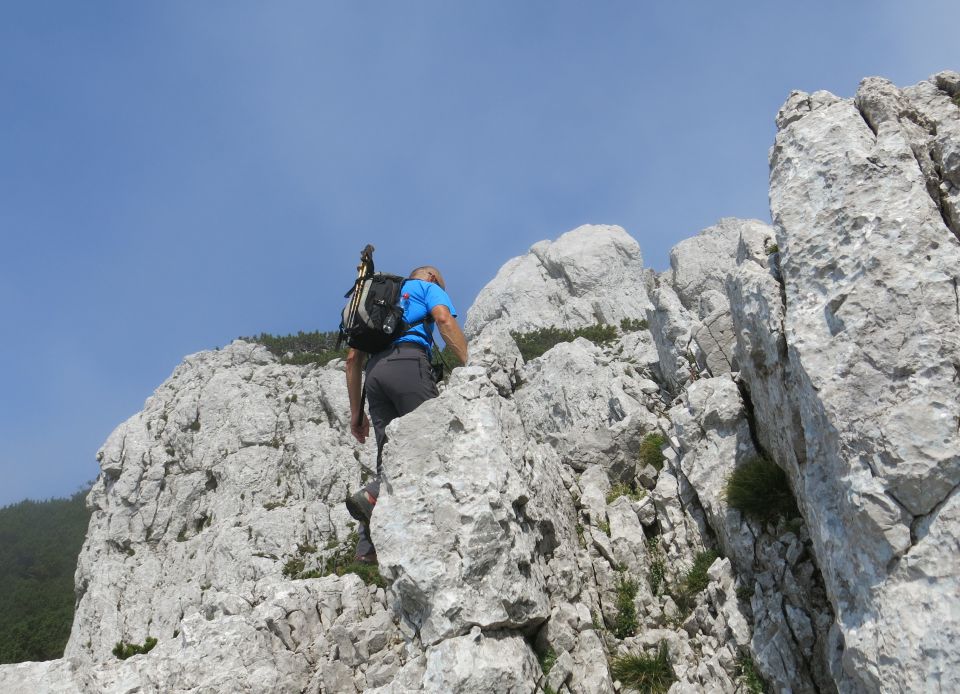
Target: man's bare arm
{"points": [[450, 331], [359, 424]]}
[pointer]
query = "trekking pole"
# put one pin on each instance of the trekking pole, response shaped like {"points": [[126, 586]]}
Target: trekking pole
{"points": [[364, 270]]}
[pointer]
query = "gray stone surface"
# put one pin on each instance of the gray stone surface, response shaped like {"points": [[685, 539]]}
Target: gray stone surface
{"points": [[592, 274], [870, 268], [457, 470]]}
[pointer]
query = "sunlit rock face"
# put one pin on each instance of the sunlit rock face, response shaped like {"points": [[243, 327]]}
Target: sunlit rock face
{"points": [[529, 537], [865, 392], [592, 274]]}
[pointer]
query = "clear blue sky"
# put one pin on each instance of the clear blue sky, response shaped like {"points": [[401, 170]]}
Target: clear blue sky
{"points": [[176, 174]]}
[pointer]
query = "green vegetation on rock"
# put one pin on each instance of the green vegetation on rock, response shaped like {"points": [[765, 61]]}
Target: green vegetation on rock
{"points": [[632, 325], [645, 673], [651, 450], [626, 623], [303, 348], [125, 650], [749, 675], [759, 489], [339, 563], [39, 545], [624, 489], [535, 343], [685, 594]]}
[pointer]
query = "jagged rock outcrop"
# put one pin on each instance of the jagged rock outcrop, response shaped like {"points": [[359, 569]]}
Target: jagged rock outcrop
{"points": [[690, 314], [852, 364], [523, 543]]}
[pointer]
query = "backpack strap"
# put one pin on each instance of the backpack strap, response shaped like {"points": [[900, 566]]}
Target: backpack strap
{"points": [[426, 319]]}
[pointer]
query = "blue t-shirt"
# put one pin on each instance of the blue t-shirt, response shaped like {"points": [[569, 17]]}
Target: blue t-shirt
{"points": [[420, 298]]}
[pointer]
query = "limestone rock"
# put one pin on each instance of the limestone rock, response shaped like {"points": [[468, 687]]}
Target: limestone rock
{"points": [[476, 663], [593, 274], [672, 326], [701, 264], [592, 411], [458, 471], [869, 259]]}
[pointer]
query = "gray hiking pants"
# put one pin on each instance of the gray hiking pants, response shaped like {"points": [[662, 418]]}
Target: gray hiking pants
{"points": [[398, 380]]}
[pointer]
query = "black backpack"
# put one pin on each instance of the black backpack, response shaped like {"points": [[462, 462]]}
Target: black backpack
{"points": [[373, 316]]}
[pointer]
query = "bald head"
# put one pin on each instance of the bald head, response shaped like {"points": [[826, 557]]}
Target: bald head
{"points": [[428, 273]]}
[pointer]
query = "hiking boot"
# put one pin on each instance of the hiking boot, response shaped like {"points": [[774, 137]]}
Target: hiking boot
{"points": [[360, 505]]}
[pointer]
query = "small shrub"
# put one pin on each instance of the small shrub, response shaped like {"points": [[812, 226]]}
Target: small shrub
{"points": [[956, 99], [535, 343], [658, 566], [626, 622], [749, 675], [303, 348], [270, 505], [125, 650], [744, 593], [294, 567], [651, 450], [605, 527], [623, 489], [644, 673], [632, 325], [597, 334], [195, 425], [771, 248], [760, 490]]}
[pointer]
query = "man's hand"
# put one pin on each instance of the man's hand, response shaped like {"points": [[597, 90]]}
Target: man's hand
{"points": [[360, 429]]}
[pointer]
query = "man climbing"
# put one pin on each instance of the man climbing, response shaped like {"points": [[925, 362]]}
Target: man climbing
{"points": [[399, 379]]}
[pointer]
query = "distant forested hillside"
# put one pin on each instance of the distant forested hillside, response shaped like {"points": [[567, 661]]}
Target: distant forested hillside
{"points": [[39, 545]]}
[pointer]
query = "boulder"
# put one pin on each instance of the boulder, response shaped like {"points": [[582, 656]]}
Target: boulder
{"points": [[592, 274]]}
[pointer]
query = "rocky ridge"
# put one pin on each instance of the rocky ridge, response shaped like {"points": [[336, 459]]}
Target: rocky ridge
{"points": [[513, 559]]}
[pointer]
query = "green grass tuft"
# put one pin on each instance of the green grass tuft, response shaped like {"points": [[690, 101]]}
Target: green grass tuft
{"points": [[685, 596], [651, 450], [645, 673], [623, 489], [339, 563], [626, 623], [125, 650], [658, 566], [760, 490], [749, 675], [547, 660], [696, 579]]}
